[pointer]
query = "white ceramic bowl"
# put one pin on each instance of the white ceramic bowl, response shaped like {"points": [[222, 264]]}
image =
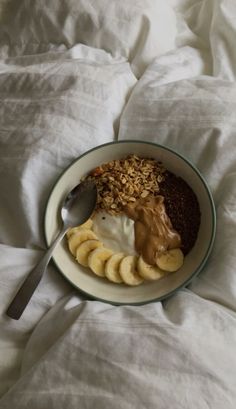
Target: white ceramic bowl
{"points": [[102, 289]]}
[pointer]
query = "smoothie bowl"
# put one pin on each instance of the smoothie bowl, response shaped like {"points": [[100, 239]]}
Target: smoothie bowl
{"points": [[152, 230]]}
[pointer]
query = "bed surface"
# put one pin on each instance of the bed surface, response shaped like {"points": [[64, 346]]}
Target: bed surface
{"points": [[74, 75]]}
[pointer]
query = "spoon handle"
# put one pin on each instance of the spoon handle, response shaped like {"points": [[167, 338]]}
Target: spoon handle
{"points": [[31, 282]]}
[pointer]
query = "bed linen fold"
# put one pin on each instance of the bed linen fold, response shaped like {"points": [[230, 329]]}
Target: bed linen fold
{"points": [[59, 98], [135, 30], [102, 356], [52, 112]]}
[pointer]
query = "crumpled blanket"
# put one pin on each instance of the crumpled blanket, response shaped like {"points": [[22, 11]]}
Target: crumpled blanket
{"points": [[79, 74]]}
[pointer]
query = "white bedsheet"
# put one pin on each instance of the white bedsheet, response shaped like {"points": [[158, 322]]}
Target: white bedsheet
{"points": [[61, 99]]}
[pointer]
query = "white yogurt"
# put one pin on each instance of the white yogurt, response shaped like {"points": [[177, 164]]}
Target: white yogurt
{"points": [[115, 232]]}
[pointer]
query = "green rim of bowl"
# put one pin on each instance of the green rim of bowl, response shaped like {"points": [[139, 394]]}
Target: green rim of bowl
{"points": [[213, 231]]}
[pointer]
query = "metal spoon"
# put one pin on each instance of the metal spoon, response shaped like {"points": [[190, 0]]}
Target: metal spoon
{"points": [[75, 210]]}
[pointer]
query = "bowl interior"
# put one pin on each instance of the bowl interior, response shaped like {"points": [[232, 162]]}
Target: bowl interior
{"points": [[116, 293]]}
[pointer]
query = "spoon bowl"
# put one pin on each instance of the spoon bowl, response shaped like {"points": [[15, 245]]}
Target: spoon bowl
{"points": [[79, 204], [76, 209]]}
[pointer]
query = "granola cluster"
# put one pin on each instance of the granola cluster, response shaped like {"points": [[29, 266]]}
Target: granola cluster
{"points": [[122, 181]]}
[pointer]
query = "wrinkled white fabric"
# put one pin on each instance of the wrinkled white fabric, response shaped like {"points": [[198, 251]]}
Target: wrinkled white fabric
{"points": [[210, 26], [60, 102], [51, 112], [137, 30], [15, 263], [95, 355]]}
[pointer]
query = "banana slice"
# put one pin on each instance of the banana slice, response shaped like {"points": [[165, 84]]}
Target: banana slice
{"points": [[84, 249], [112, 268], [171, 260], [97, 260], [87, 225], [147, 271], [128, 272], [77, 238]]}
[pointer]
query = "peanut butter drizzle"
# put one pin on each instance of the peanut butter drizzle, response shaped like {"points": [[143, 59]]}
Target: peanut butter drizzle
{"points": [[153, 229]]}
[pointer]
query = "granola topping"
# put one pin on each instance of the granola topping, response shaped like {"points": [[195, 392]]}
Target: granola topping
{"points": [[123, 181]]}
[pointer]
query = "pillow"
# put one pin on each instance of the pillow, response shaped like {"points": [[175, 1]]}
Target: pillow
{"points": [[51, 113], [138, 30]]}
